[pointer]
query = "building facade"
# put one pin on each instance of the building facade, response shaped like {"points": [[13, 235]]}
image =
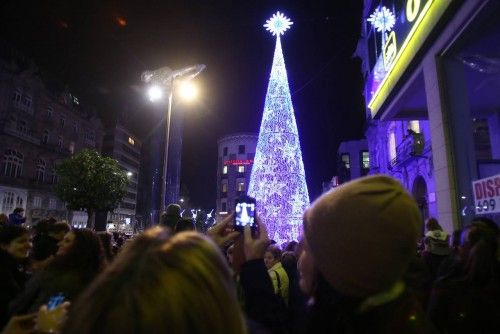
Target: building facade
{"points": [[432, 76], [120, 144], [234, 166], [353, 160], [39, 127]]}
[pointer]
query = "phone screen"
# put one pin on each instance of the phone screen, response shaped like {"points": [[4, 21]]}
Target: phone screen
{"points": [[244, 213], [55, 301]]}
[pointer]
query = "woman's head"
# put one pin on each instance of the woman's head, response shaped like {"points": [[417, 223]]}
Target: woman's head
{"points": [[272, 256], [80, 249], [179, 284], [15, 240], [433, 225]]}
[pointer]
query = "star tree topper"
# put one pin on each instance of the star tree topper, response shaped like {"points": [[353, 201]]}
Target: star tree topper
{"points": [[278, 24]]}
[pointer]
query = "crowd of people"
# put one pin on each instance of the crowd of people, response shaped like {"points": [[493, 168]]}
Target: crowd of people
{"points": [[361, 266]]}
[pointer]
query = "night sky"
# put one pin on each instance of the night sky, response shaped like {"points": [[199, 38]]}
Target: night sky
{"points": [[100, 48]]}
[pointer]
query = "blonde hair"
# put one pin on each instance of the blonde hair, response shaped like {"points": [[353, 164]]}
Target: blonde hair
{"points": [[179, 284]]}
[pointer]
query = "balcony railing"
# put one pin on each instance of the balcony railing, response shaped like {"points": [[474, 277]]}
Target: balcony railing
{"points": [[27, 136], [410, 148]]}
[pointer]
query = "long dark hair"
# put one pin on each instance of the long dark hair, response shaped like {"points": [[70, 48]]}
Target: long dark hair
{"points": [[481, 266], [85, 255]]}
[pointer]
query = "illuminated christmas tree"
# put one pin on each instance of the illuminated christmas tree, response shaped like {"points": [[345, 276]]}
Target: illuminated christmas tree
{"points": [[278, 178]]}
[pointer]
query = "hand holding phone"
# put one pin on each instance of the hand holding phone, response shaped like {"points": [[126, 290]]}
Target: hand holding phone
{"points": [[244, 213]]}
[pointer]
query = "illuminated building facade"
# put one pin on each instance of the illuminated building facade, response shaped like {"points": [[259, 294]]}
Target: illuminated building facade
{"points": [[234, 165], [433, 108]]}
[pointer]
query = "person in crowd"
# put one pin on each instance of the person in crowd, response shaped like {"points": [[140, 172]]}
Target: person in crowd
{"points": [[45, 242], [161, 283], [79, 259], [353, 261], [171, 216], [14, 248], [17, 217], [292, 246], [296, 299], [4, 219], [436, 247], [468, 299], [107, 245], [184, 224], [279, 277]]}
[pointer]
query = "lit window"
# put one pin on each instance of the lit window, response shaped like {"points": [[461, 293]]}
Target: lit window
{"points": [[346, 160], [392, 146], [241, 186], [131, 141], [37, 202], [8, 201], [72, 147], [224, 187], [365, 160], [414, 126], [224, 170], [241, 169]]}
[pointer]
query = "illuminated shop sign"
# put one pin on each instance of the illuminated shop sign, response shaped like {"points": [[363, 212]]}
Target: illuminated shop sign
{"points": [[400, 28], [238, 162], [487, 195]]}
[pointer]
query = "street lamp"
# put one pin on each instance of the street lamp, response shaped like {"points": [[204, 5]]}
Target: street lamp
{"points": [[162, 81]]}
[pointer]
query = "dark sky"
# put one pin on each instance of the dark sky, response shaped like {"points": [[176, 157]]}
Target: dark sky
{"points": [[83, 44]]}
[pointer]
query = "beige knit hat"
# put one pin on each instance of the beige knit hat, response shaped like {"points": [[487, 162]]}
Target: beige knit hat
{"points": [[363, 234]]}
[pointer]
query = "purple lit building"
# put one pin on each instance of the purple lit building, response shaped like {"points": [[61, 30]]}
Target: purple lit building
{"points": [[432, 72]]}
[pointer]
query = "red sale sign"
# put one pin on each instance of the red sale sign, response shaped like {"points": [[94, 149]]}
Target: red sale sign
{"points": [[487, 195]]}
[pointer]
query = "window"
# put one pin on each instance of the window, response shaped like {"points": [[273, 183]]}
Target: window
{"points": [[22, 127], [50, 112], [241, 149], [224, 187], [241, 186], [414, 126], [75, 127], [365, 159], [8, 202], [52, 203], [224, 170], [392, 146], [241, 169], [72, 147], [60, 142], [12, 163], [346, 161], [131, 141], [53, 175], [27, 100], [225, 151], [39, 170], [37, 202], [45, 138], [224, 207], [17, 96], [62, 122]]}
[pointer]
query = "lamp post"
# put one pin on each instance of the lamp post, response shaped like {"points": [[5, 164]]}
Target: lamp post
{"points": [[162, 80]]}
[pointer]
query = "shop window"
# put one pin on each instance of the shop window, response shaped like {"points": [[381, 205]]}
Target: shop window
{"points": [[224, 170], [241, 169], [241, 186]]}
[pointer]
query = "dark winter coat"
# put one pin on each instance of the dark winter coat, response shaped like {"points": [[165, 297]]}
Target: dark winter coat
{"points": [[12, 281], [16, 219]]}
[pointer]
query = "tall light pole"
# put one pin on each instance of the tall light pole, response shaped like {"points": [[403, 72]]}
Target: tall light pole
{"points": [[162, 81]]}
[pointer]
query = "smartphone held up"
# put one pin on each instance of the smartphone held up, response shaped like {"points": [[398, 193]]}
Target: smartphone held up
{"points": [[244, 213]]}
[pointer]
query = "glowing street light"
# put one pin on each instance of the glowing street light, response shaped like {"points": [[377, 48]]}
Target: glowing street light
{"points": [[162, 81]]}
